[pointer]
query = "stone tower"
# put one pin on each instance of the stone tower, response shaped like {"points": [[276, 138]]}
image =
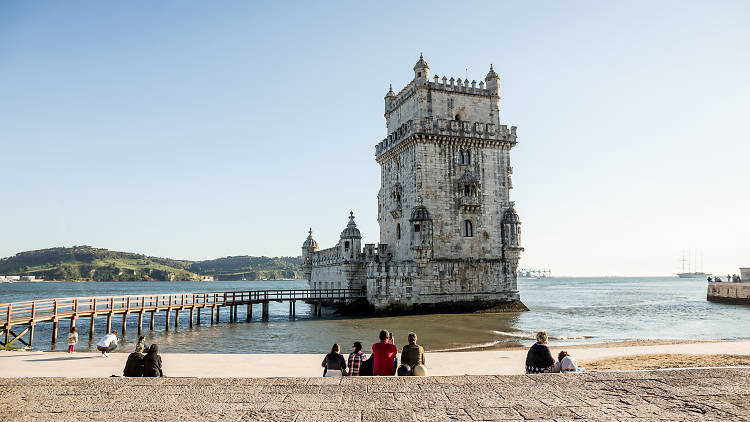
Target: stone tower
{"points": [[449, 236], [444, 209]]}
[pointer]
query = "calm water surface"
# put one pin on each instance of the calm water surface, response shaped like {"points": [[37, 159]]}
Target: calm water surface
{"points": [[572, 310]]}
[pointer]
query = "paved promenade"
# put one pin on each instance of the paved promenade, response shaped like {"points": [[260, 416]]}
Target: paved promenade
{"points": [[697, 394]]}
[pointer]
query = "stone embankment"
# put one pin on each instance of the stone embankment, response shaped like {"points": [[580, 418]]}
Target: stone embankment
{"points": [[693, 394], [729, 292]]}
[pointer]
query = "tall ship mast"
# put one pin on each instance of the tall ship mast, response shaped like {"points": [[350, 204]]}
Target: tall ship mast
{"points": [[687, 270]]}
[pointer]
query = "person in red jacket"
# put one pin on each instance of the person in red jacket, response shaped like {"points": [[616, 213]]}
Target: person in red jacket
{"points": [[383, 354]]}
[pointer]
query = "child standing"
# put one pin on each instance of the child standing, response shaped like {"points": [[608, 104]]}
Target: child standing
{"points": [[140, 347], [72, 339]]}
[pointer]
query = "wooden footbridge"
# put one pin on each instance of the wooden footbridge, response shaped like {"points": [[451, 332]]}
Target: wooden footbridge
{"points": [[21, 318]]}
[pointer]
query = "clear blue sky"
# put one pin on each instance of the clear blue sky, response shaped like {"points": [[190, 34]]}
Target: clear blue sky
{"points": [[205, 129]]}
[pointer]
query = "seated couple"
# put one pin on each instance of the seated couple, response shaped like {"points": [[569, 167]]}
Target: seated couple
{"points": [[539, 358]]}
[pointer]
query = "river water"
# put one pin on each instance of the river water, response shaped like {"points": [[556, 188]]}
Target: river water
{"points": [[572, 310]]}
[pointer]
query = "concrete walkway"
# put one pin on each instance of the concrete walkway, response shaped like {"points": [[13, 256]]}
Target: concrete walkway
{"points": [[702, 394]]}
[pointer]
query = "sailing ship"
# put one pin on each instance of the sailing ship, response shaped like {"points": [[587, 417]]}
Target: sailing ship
{"points": [[688, 271]]}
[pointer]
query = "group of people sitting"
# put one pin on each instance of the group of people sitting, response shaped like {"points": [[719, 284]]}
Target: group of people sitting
{"points": [[539, 358], [382, 362], [140, 365]]}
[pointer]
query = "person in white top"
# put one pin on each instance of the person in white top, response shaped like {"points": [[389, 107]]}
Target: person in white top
{"points": [[72, 339], [567, 363], [107, 344]]}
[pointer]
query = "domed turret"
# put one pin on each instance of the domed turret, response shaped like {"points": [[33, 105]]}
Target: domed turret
{"points": [[310, 243], [492, 80], [510, 216], [420, 213], [351, 231], [421, 70], [351, 240], [511, 226]]}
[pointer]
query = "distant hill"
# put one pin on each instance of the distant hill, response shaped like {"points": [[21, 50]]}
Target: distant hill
{"points": [[86, 263]]}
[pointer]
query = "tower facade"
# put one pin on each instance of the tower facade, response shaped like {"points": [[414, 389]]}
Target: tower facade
{"points": [[449, 235], [444, 208]]}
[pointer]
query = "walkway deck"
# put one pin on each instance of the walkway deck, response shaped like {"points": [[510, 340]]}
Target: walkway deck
{"points": [[25, 315], [703, 394]]}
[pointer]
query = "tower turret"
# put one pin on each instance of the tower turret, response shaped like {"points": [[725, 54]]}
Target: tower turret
{"points": [[493, 81], [421, 70], [351, 240], [309, 247]]}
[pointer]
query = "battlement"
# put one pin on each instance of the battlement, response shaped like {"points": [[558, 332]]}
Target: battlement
{"points": [[430, 125], [328, 256], [454, 85]]}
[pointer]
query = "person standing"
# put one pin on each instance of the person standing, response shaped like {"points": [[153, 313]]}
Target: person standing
{"points": [[140, 347], [539, 358], [72, 339], [334, 363], [383, 354], [356, 357], [152, 363], [107, 344]]}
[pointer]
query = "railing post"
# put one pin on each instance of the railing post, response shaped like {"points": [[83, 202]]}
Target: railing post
{"points": [[91, 323], [32, 325], [54, 323], [8, 324]]}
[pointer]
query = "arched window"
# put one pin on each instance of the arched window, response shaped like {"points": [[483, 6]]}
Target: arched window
{"points": [[417, 228], [398, 231], [346, 245], [468, 229], [467, 157], [461, 157], [467, 190], [458, 117]]}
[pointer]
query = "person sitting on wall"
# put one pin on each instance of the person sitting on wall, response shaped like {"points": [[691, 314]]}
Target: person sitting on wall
{"points": [[539, 358], [383, 354], [334, 363], [356, 358], [107, 344], [134, 365], [152, 363], [412, 355]]}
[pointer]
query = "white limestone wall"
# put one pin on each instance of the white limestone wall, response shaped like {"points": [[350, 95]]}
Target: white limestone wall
{"points": [[475, 108], [328, 277]]}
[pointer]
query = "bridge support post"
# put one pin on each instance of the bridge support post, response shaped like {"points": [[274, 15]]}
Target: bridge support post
{"points": [[294, 309], [153, 318], [213, 317], [140, 323], [54, 331], [218, 314], [31, 334], [235, 312], [109, 323], [124, 324], [265, 311], [176, 318], [91, 326], [290, 309], [169, 312], [249, 311], [192, 313], [198, 321]]}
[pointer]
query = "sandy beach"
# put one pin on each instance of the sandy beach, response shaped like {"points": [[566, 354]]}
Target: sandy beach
{"points": [[489, 362]]}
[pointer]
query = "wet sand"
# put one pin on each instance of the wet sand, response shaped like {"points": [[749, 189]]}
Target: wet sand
{"points": [[491, 362]]}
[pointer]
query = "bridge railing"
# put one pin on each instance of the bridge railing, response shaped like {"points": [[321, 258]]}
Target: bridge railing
{"points": [[65, 307]]}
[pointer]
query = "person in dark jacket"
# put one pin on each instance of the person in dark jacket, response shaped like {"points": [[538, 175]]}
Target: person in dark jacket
{"points": [[134, 365], [152, 363], [334, 363], [539, 358]]}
